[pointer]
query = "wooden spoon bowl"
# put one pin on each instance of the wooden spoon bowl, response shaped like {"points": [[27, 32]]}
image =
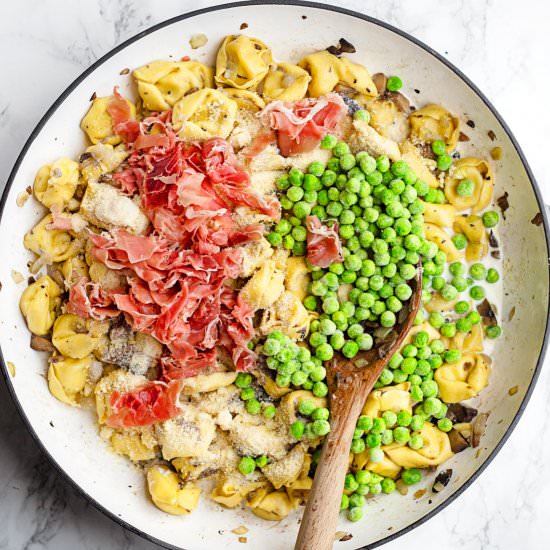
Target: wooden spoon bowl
{"points": [[350, 382]]}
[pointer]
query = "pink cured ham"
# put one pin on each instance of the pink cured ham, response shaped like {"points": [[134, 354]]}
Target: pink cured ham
{"points": [[88, 299], [323, 244], [300, 126], [177, 273], [146, 405]]}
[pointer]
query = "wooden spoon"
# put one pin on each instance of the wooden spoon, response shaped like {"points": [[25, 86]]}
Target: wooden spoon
{"points": [[350, 382]]}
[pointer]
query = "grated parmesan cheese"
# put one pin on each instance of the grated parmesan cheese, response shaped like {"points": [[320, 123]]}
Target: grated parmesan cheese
{"points": [[106, 207]]}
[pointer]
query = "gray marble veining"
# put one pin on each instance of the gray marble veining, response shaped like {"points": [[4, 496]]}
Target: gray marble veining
{"points": [[502, 45]]}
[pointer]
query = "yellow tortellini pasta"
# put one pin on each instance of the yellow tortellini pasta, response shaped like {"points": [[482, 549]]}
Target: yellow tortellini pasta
{"points": [[137, 443], [480, 173], [287, 82], [67, 378], [436, 450], [72, 337], [74, 269], [242, 62], [265, 286], [245, 99], [285, 471], [289, 404], [435, 122], [99, 159], [297, 276], [289, 315], [478, 241], [470, 342], [443, 240], [230, 490], [39, 303], [56, 183], [169, 494], [329, 72], [273, 506], [442, 215], [203, 383], [98, 124], [390, 398], [389, 121], [56, 244], [162, 83], [464, 379], [204, 114], [385, 467], [365, 138]]}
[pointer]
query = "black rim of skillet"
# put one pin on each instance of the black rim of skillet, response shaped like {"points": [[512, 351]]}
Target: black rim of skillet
{"points": [[309, 5]]}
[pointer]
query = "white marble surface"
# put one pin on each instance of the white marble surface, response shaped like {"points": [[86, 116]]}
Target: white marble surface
{"points": [[503, 46]]}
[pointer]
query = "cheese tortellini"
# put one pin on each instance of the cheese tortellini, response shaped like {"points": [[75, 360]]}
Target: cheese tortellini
{"points": [[464, 379], [56, 244], [478, 241], [443, 240], [204, 114], [435, 122], [161, 84], [72, 337], [56, 183], [288, 315], [39, 303], [98, 124], [67, 378], [273, 506], [436, 450], [286, 82], [245, 99], [329, 73], [390, 398], [480, 173], [242, 62], [168, 492], [265, 286]]}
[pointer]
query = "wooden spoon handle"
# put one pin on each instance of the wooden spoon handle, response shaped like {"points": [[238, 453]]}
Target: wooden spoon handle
{"points": [[321, 515]]}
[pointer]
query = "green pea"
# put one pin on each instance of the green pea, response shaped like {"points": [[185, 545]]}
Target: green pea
{"points": [[247, 465], [460, 241], [493, 331], [478, 271], [340, 149], [362, 114], [416, 442], [490, 218], [401, 435], [394, 83], [347, 161], [253, 406], [439, 147], [444, 162], [492, 275], [477, 292], [411, 476], [465, 188], [320, 389], [328, 142]]}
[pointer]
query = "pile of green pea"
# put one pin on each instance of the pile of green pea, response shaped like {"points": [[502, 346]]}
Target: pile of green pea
{"points": [[318, 424], [376, 205], [294, 364]]}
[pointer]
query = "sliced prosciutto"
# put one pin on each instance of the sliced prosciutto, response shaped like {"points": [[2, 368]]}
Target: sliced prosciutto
{"points": [[88, 299], [323, 243], [300, 126], [153, 402]]}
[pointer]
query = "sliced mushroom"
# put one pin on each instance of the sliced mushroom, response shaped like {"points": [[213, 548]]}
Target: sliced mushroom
{"points": [[401, 102], [487, 312], [39, 343], [458, 442], [459, 413], [380, 80]]}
